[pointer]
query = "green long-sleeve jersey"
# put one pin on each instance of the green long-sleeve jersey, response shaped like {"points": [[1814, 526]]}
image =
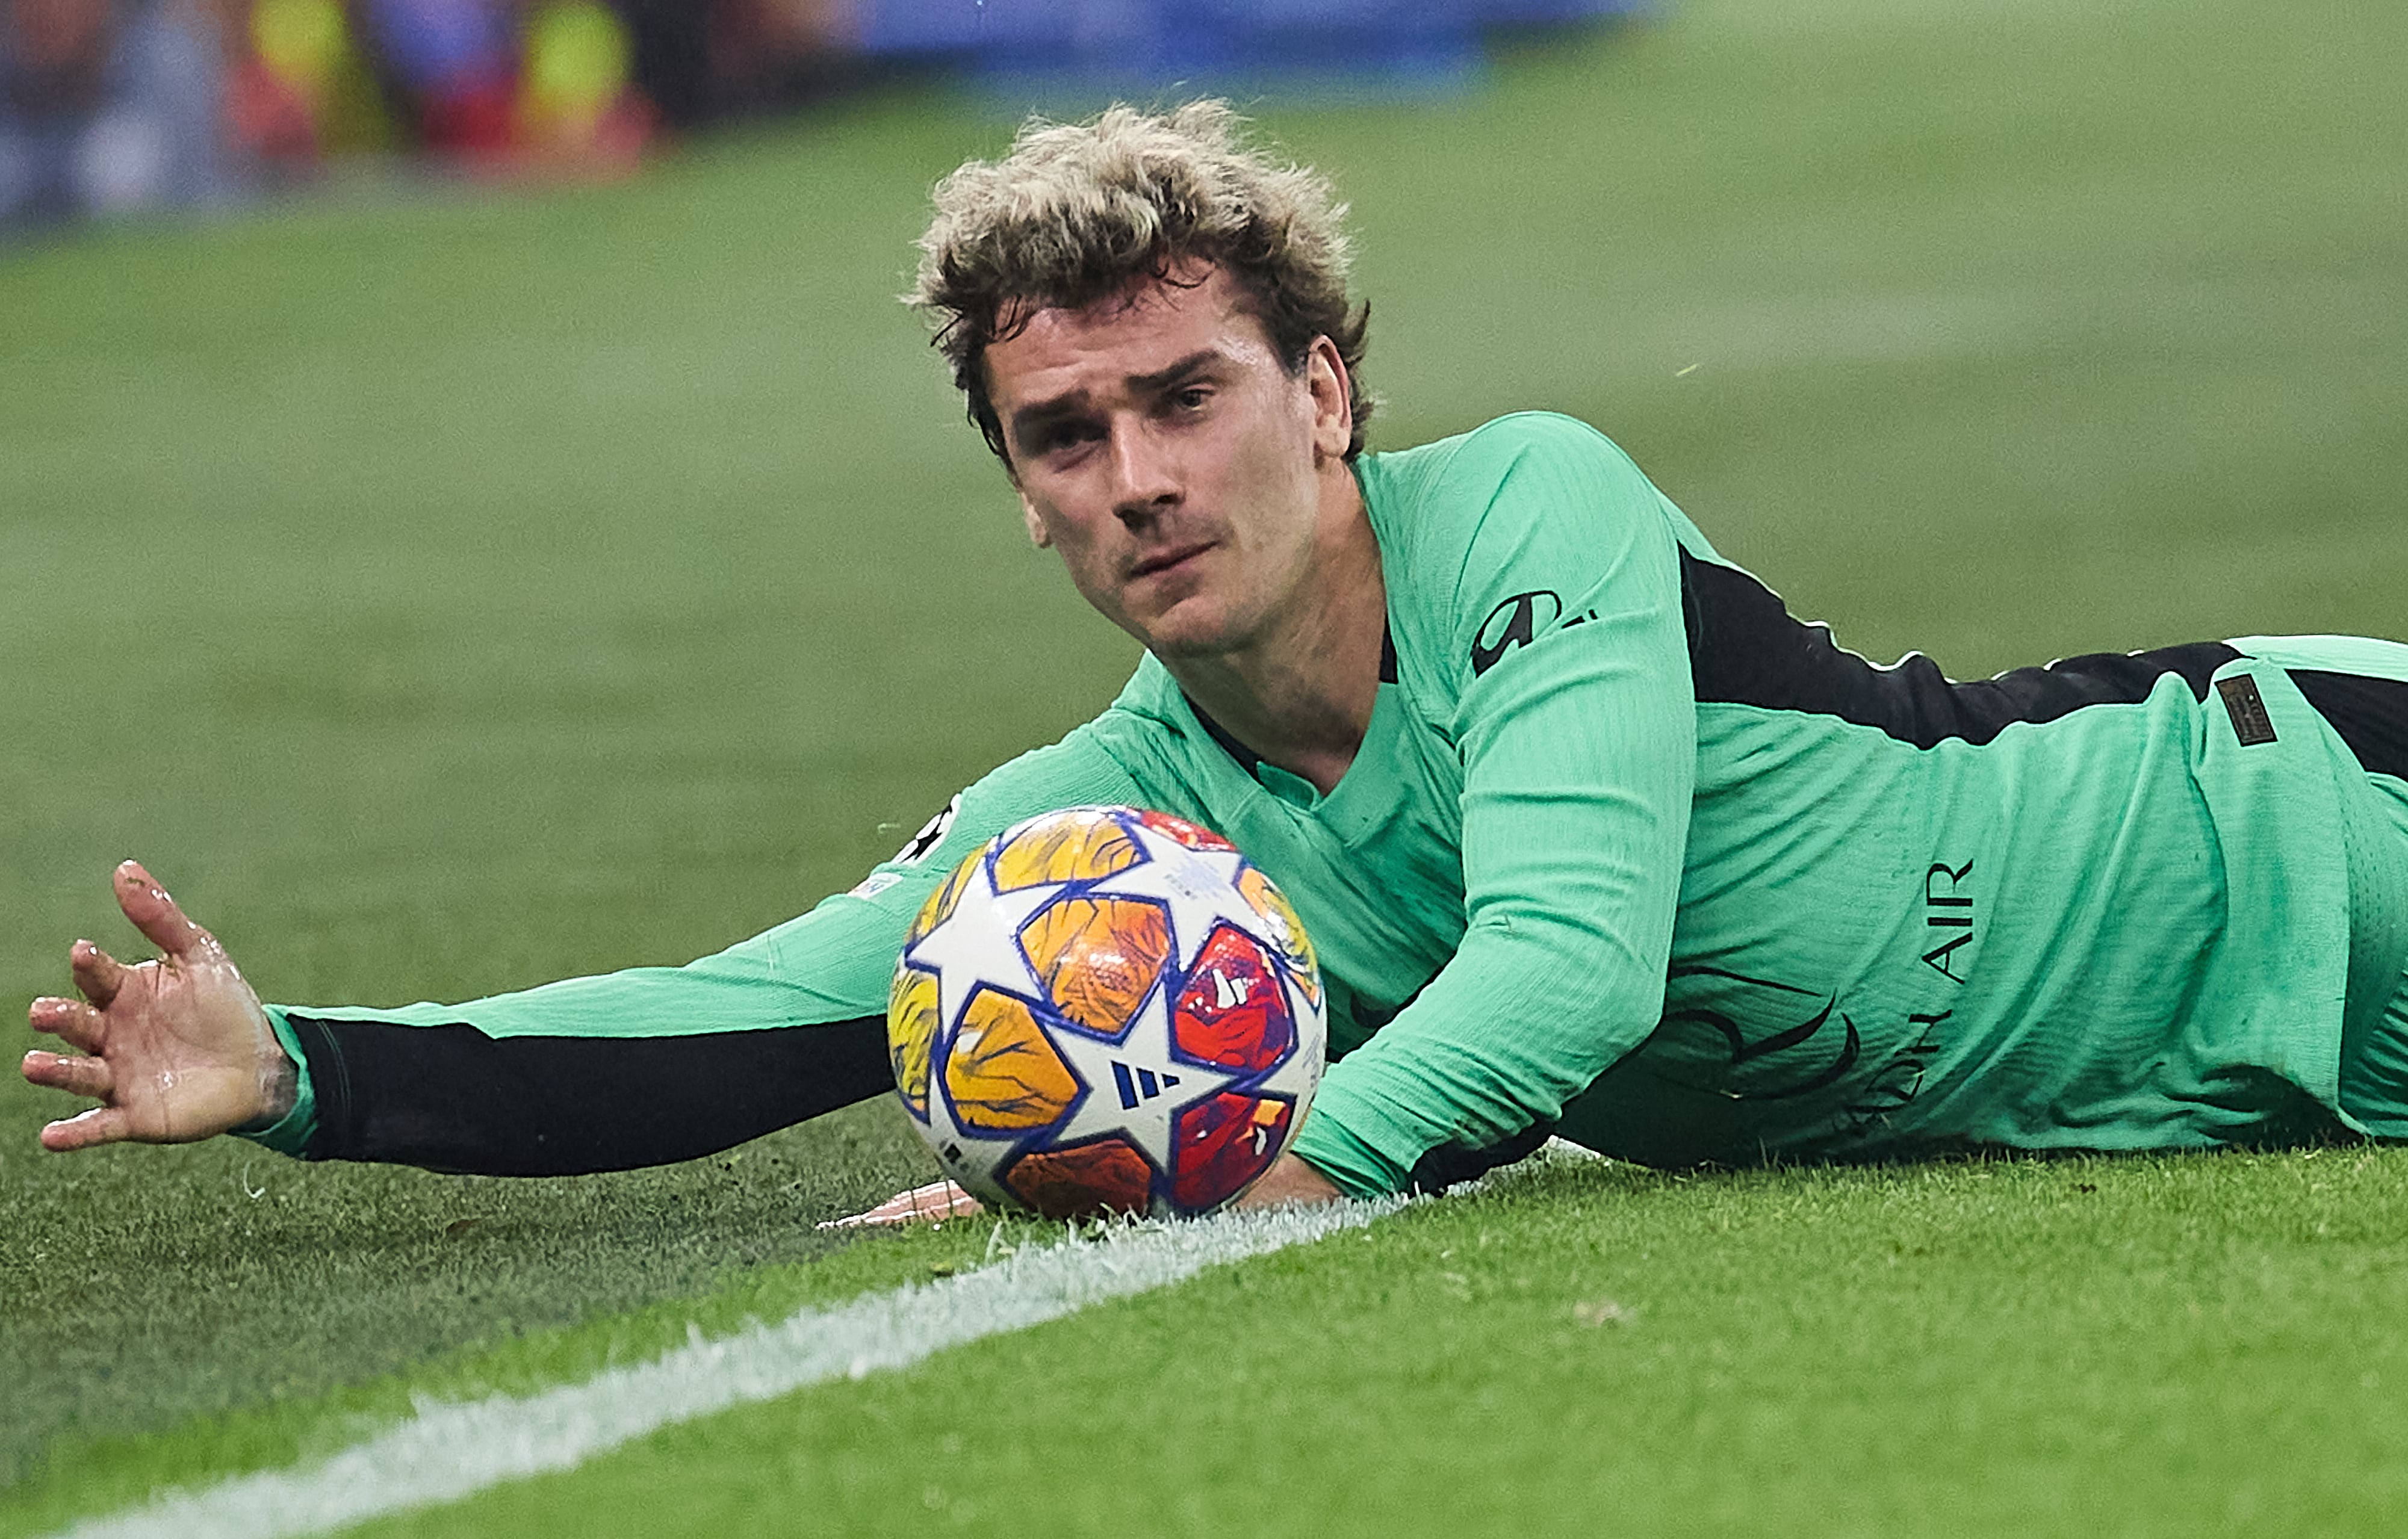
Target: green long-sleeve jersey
{"points": [[1627, 849]]}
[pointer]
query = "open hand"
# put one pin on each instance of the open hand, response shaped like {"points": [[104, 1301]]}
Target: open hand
{"points": [[176, 1049]]}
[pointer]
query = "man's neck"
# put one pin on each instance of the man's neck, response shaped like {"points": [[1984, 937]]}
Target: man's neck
{"points": [[1301, 695]]}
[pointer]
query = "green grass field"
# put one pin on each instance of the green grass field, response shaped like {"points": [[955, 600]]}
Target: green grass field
{"points": [[458, 592]]}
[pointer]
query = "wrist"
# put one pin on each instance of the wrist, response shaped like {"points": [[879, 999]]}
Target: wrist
{"points": [[280, 1081], [285, 1083], [280, 1089], [1291, 1180]]}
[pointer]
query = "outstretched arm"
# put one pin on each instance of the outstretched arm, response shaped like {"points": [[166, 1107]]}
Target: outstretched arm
{"points": [[646, 1066], [643, 1067], [175, 1049]]}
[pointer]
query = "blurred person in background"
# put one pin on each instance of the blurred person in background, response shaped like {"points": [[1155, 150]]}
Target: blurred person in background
{"points": [[512, 84], [491, 85], [760, 55], [578, 107], [453, 65], [108, 106], [304, 87]]}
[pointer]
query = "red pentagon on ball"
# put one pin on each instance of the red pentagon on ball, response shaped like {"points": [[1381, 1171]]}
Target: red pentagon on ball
{"points": [[1233, 1012], [1224, 1144]]}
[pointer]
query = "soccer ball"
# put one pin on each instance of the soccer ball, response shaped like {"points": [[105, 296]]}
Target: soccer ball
{"points": [[1107, 1009]]}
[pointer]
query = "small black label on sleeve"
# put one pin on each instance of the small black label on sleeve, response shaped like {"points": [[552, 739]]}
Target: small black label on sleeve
{"points": [[2247, 709]]}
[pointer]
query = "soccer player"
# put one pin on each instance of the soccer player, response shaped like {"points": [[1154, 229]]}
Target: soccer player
{"points": [[1588, 831]]}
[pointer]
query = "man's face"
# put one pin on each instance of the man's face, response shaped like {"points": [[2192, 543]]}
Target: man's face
{"points": [[1160, 446]]}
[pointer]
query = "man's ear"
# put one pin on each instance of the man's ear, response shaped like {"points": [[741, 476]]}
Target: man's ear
{"points": [[1035, 525], [1333, 400]]}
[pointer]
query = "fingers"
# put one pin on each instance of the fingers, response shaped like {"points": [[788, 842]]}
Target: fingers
{"points": [[97, 974], [100, 1125], [935, 1201], [83, 1027], [76, 1075], [156, 914], [943, 1200]]}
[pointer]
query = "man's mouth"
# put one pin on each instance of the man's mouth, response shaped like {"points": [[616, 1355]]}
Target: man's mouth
{"points": [[1163, 561]]}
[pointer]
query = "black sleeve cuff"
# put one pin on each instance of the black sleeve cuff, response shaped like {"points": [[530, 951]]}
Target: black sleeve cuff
{"points": [[1448, 1164], [450, 1098]]}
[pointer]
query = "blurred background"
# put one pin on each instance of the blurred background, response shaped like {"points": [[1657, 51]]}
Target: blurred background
{"points": [[108, 106]]}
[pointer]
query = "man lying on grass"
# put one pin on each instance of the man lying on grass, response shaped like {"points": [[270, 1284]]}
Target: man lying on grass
{"points": [[1589, 833]]}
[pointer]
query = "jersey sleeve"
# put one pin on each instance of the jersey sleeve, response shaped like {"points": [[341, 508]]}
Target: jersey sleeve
{"points": [[654, 1065], [1573, 713]]}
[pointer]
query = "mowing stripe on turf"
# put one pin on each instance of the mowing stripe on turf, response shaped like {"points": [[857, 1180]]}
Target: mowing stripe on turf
{"points": [[448, 1450]]}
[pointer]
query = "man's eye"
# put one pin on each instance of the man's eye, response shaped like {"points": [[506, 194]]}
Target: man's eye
{"points": [[1067, 435], [1193, 398]]}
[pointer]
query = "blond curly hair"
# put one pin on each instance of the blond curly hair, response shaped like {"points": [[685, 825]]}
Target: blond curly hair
{"points": [[1076, 212]]}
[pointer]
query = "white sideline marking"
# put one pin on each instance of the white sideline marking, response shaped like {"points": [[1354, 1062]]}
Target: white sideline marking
{"points": [[450, 1449]]}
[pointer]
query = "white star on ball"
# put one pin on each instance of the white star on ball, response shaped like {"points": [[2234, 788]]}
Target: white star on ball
{"points": [[1135, 1087], [1199, 886]]}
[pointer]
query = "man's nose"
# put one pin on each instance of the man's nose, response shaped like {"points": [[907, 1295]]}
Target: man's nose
{"points": [[1145, 480]]}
